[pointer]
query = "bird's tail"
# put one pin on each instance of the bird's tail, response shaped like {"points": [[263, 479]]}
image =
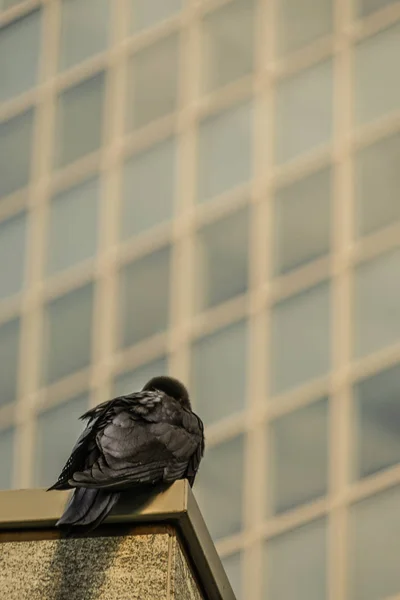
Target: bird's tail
{"points": [[87, 509]]}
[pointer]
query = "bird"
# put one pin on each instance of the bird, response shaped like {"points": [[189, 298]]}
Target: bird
{"points": [[133, 442]]}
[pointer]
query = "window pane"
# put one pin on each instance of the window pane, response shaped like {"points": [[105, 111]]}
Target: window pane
{"points": [[149, 188], [68, 331], [301, 338], [301, 22], [296, 563], [145, 288], [13, 233], [377, 303], [19, 55], [233, 568], [147, 13], [58, 430], [133, 381], [219, 373], [377, 184], [366, 7], [300, 456], [153, 82], [84, 30], [299, 239], [74, 210], [375, 547], [224, 151], [7, 458], [222, 260], [377, 407], [304, 112], [227, 49], [9, 359], [15, 152], [377, 92], [219, 488], [79, 120]]}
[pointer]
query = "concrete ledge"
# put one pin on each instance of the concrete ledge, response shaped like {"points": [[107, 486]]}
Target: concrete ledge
{"points": [[171, 519]]}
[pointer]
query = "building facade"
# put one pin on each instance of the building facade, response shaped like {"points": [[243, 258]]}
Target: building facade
{"points": [[209, 188]]}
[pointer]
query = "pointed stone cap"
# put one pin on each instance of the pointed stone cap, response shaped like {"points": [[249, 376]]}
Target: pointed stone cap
{"points": [[161, 549]]}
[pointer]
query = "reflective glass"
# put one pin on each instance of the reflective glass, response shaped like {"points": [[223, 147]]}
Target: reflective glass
{"points": [[79, 120], [68, 334], [85, 28], [219, 488], [13, 233], [222, 260], [304, 112], [224, 151], [133, 381], [377, 303], [7, 458], [299, 239], [9, 360], [144, 296], [75, 209], [301, 338], [149, 187], [15, 152], [301, 22], [57, 431], [218, 381], [377, 92], [149, 13]]}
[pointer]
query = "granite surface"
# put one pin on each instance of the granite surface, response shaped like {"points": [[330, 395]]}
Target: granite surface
{"points": [[132, 567]]}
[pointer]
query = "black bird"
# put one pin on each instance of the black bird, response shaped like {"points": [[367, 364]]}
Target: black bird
{"points": [[131, 442]]}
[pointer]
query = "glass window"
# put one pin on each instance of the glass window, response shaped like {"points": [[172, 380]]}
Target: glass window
{"points": [[8, 3], [299, 239], [75, 209], [377, 92], [222, 260], [304, 111], [377, 303], [301, 338], [367, 7], [233, 568], [19, 55], [149, 183], [145, 289], [148, 13], [7, 458], [133, 381], [84, 30], [299, 442], [13, 233], [57, 431], [219, 372], [296, 563], [79, 120], [377, 176], [68, 333], [9, 360], [377, 408], [374, 548], [224, 151], [301, 22], [15, 152], [153, 80], [219, 488], [227, 44]]}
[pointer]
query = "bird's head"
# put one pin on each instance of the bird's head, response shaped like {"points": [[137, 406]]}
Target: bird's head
{"points": [[170, 386]]}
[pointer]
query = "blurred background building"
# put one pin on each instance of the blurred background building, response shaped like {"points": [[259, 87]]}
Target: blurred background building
{"points": [[210, 189]]}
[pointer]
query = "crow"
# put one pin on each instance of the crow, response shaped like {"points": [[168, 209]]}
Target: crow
{"points": [[132, 442]]}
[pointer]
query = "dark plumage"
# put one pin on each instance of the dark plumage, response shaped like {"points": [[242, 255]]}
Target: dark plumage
{"points": [[131, 442]]}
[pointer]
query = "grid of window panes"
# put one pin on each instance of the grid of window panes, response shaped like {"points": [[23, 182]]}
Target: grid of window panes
{"points": [[209, 188]]}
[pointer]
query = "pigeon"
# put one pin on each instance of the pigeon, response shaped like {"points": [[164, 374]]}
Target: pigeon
{"points": [[133, 442]]}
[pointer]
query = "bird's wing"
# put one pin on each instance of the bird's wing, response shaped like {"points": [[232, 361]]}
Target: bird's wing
{"points": [[85, 448], [143, 438]]}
